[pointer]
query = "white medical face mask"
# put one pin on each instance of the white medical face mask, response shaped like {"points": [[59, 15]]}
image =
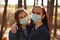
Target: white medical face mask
{"points": [[36, 18], [24, 21]]}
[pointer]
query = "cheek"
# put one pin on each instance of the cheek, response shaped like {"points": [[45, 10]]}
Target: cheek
{"points": [[19, 18], [40, 16], [43, 16]]}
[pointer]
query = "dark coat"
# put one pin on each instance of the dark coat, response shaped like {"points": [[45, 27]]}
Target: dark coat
{"points": [[19, 34], [41, 33]]}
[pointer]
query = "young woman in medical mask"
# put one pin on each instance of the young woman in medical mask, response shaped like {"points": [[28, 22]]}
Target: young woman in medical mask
{"points": [[20, 29], [40, 30]]}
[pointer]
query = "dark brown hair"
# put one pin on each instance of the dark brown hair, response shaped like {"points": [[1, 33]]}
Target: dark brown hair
{"points": [[17, 12], [45, 21]]}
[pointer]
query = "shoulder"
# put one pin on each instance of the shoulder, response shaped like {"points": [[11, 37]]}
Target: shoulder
{"points": [[43, 29]]}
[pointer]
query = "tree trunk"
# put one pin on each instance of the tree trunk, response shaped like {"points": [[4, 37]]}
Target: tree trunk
{"points": [[55, 26], [42, 2], [50, 8], [19, 3], [37, 2], [50, 11], [4, 20], [34, 3], [25, 6]]}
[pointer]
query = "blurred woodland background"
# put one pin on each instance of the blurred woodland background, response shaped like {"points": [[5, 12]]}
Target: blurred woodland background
{"points": [[8, 7]]}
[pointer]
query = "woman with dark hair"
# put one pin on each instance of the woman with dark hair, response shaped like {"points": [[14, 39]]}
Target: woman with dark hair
{"points": [[20, 29], [40, 30]]}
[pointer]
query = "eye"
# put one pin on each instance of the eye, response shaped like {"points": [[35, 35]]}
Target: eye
{"points": [[33, 12], [25, 15], [21, 17], [38, 13]]}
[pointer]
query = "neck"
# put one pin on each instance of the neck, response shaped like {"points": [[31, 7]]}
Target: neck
{"points": [[38, 24], [24, 27]]}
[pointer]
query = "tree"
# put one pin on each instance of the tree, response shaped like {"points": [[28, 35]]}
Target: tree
{"points": [[19, 3], [34, 3], [55, 27], [42, 2], [50, 9], [4, 20], [37, 2], [25, 6]]}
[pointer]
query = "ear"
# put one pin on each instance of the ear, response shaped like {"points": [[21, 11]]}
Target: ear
{"points": [[43, 16]]}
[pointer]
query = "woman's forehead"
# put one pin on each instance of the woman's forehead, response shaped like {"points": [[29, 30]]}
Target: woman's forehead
{"points": [[22, 14], [38, 9]]}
